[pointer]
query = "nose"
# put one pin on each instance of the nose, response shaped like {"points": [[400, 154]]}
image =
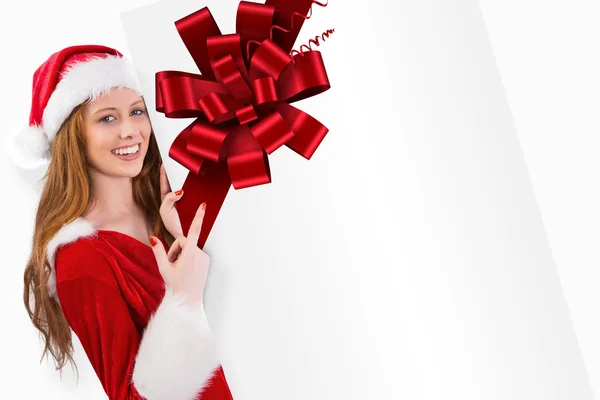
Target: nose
{"points": [[130, 128]]}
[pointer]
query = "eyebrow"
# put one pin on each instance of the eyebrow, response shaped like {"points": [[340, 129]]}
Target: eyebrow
{"points": [[112, 108]]}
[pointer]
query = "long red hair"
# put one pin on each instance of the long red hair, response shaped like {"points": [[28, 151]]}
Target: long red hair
{"points": [[66, 195]]}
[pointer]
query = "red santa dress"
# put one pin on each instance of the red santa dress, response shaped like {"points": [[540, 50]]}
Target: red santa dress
{"points": [[141, 340]]}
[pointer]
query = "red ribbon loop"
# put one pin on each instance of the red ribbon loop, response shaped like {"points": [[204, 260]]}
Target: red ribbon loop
{"points": [[254, 23], [205, 141], [304, 78], [178, 93], [215, 107], [272, 132], [228, 73], [247, 162], [179, 152], [264, 90], [246, 114], [268, 60], [227, 45]]}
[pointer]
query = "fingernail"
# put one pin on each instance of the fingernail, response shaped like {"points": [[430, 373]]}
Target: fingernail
{"points": [[203, 206], [179, 192], [153, 241]]}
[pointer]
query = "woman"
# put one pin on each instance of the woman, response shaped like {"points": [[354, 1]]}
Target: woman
{"points": [[96, 267]]}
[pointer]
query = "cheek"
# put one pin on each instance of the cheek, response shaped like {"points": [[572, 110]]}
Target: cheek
{"points": [[146, 130], [97, 145], [147, 127]]}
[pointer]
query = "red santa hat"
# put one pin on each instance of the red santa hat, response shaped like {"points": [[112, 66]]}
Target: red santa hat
{"points": [[68, 78]]}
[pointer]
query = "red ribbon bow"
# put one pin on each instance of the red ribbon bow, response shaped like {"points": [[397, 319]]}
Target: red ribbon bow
{"points": [[240, 102]]}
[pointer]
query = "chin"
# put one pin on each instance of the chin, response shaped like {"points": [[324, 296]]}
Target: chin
{"points": [[135, 170], [130, 169]]}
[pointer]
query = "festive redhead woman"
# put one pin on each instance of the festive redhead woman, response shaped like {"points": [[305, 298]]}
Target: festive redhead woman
{"points": [[99, 264]]}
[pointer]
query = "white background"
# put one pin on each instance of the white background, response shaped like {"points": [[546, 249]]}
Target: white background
{"points": [[548, 54], [408, 259]]}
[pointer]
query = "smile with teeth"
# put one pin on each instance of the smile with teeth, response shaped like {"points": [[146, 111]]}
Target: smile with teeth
{"points": [[127, 151]]}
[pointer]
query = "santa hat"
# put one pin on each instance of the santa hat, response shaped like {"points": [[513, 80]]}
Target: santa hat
{"points": [[68, 78]]}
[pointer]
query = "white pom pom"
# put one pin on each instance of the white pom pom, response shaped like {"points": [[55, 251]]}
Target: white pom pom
{"points": [[30, 147]]}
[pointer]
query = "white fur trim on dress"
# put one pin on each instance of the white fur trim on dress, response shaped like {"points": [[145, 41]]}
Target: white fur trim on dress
{"points": [[177, 357], [29, 148], [67, 234], [86, 80]]}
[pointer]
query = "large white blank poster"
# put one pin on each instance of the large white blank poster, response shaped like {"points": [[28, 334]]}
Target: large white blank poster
{"points": [[407, 259]]}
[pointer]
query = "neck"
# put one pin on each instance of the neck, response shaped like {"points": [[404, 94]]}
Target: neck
{"points": [[113, 196]]}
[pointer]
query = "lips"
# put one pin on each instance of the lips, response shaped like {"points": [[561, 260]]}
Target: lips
{"points": [[129, 157], [126, 147]]}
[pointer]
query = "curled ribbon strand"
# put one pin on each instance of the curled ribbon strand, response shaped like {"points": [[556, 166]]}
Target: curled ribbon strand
{"points": [[282, 29], [311, 41], [305, 17]]}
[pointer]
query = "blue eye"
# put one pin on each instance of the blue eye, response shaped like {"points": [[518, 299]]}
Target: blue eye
{"points": [[105, 119]]}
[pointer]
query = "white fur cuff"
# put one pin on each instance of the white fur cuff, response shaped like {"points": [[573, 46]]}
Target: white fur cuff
{"points": [[177, 355]]}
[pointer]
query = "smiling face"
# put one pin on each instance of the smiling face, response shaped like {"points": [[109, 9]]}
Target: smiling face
{"points": [[117, 131]]}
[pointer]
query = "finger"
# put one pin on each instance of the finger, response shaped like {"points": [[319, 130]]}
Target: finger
{"points": [[176, 249], [164, 266], [170, 216], [169, 200], [195, 228]]}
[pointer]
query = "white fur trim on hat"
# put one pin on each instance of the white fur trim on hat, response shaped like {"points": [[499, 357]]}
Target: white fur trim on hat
{"points": [[29, 147], [84, 81], [81, 82]]}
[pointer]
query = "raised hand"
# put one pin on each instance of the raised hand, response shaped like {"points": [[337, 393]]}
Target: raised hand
{"points": [[185, 267], [168, 212]]}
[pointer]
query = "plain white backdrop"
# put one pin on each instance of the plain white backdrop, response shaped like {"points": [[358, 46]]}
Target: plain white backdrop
{"points": [[547, 52], [408, 259]]}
